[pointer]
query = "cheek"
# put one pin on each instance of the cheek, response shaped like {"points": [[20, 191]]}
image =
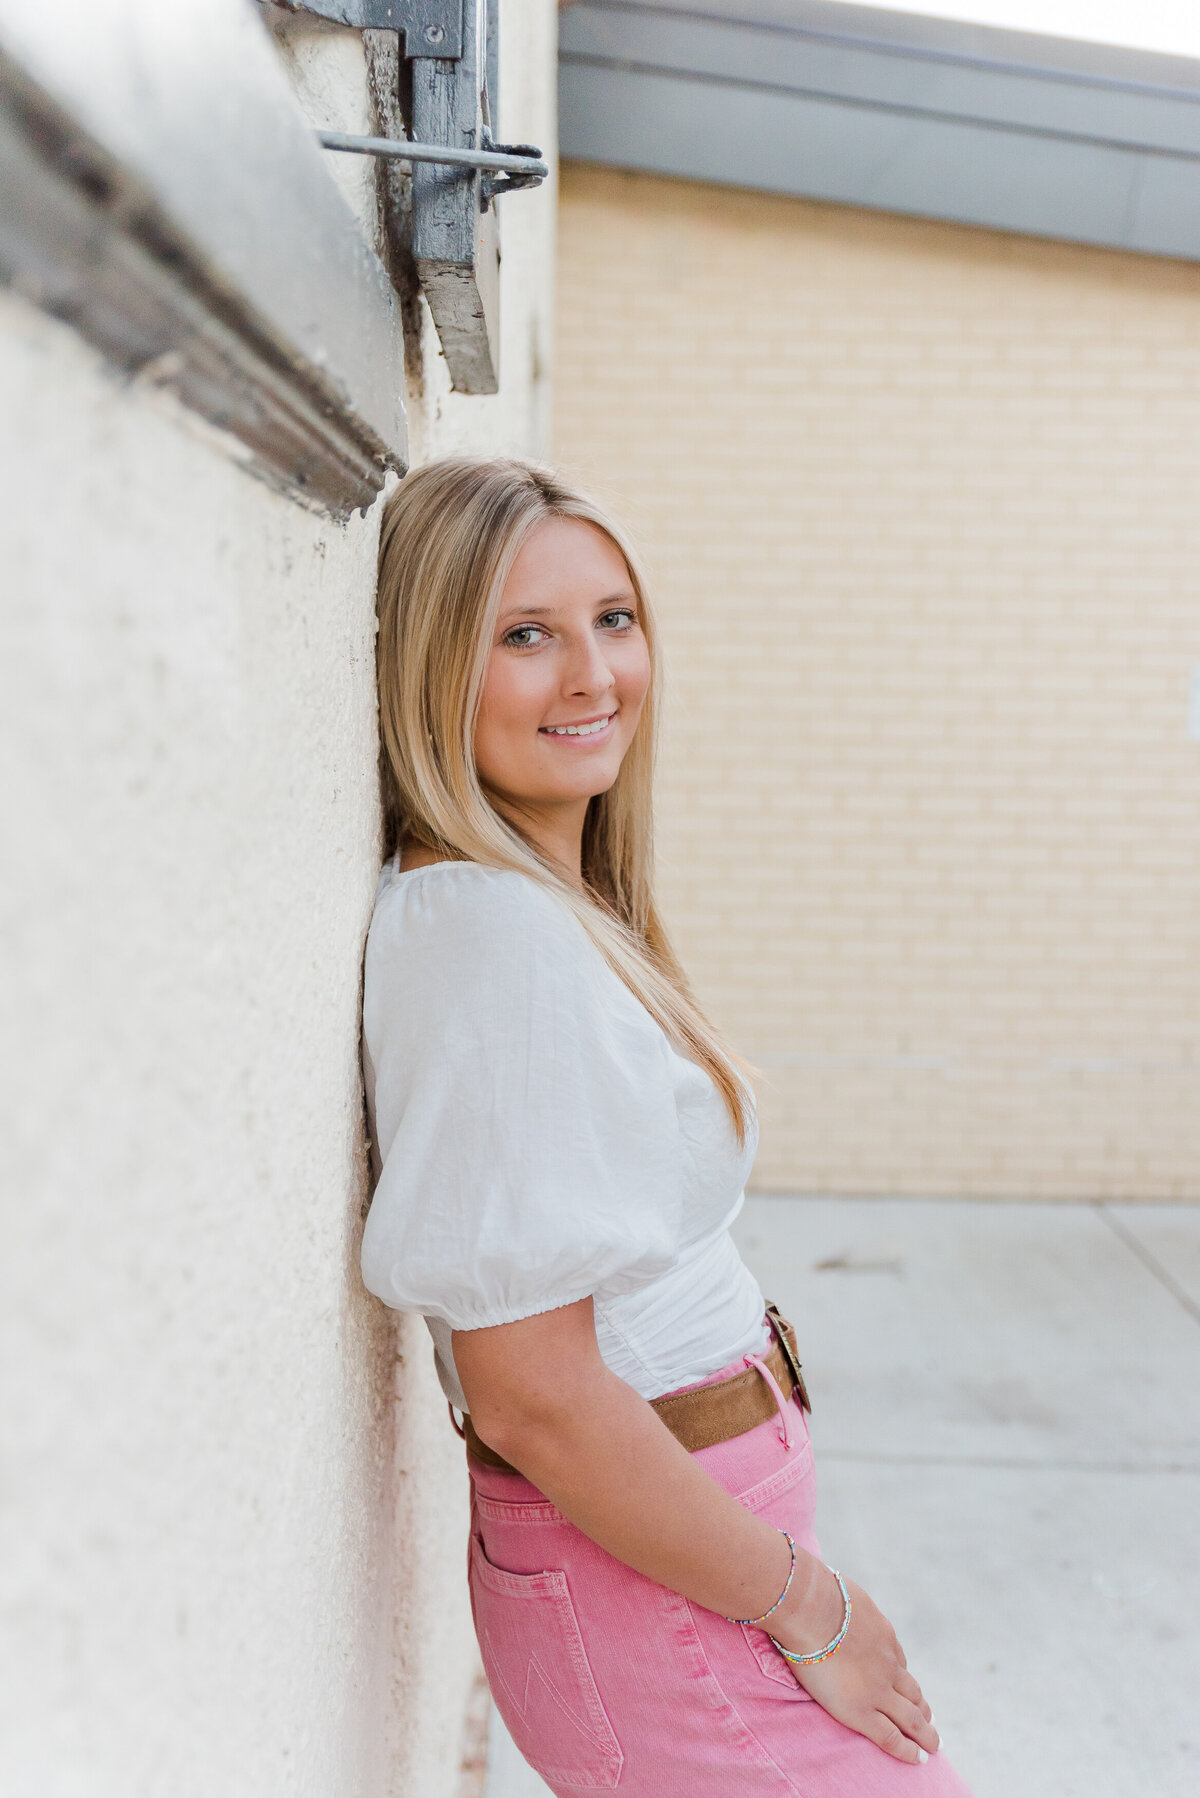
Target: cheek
{"points": [[510, 697], [510, 708], [633, 674]]}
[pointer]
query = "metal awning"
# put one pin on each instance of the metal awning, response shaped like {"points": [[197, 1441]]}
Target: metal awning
{"points": [[911, 114]]}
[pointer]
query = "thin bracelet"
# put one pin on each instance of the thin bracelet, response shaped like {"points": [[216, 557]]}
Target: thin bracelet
{"points": [[782, 1595], [823, 1654]]}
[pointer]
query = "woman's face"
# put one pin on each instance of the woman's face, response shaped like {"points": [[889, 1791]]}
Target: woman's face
{"points": [[567, 674]]}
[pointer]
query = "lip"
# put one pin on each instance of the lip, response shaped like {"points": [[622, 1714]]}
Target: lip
{"points": [[591, 740]]}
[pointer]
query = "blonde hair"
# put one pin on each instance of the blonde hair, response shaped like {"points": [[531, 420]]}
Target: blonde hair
{"points": [[451, 533]]}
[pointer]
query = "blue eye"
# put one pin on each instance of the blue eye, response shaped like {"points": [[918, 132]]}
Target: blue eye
{"points": [[622, 619]]}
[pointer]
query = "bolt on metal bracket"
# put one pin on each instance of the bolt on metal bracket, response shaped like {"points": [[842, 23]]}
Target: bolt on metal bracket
{"points": [[429, 27]]}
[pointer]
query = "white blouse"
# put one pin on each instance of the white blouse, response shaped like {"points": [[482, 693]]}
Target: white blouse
{"points": [[538, 1139]]}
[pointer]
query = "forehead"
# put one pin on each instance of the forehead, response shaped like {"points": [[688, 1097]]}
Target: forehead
{"points": [[565, 561]]}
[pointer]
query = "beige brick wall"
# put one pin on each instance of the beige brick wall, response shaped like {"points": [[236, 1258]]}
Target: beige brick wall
{"points": [[922, 508]]}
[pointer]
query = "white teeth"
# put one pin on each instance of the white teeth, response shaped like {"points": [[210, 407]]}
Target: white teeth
{"points": [[578, 730]]}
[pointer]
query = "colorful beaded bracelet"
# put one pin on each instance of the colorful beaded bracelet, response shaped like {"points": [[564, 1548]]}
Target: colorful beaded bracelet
{"points": [[823, 1654], [782, 1595]]}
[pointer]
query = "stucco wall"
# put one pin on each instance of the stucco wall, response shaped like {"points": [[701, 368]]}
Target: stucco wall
{"points": [[197, 1470], [233, 1510], [920, 506]]}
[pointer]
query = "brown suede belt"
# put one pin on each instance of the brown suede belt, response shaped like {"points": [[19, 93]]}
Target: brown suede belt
{"points": [[707, 1414]]}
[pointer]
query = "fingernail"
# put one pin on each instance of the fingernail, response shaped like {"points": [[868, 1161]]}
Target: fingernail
{"points": [[921, 1755]]}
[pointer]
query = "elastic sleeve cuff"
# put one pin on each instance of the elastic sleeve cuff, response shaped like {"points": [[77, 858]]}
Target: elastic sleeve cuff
{"points": [[488, 1318]]}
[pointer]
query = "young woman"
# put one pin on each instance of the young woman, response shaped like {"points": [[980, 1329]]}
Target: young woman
{"points": [[562, 1141]]}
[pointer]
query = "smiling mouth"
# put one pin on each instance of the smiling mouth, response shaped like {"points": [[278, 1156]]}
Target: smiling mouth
{"points": [[589, 729]]}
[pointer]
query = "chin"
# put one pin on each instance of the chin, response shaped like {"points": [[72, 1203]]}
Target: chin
{"points": [[601, 783], [582, 789], [584, 783]]}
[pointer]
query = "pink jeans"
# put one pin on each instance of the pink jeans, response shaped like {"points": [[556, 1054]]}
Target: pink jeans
{"points": [[607, 1681]]}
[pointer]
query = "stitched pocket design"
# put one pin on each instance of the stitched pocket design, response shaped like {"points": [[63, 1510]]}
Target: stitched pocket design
{"points": [[772, 1664], [538, 1671], [786, 1499]]}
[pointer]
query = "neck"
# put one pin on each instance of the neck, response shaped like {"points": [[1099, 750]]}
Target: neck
{"points": [[555, 831]]}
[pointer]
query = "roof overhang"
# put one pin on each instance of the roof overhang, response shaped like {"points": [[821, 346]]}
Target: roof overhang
{"points": [[899, 111]]}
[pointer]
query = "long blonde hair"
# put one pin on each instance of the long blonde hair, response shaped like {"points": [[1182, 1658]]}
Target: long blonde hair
{"points": [[451, 533]]}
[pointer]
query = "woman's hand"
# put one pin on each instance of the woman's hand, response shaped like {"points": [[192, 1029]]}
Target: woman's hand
{"points": [[540, 1395], [866, 1685]]}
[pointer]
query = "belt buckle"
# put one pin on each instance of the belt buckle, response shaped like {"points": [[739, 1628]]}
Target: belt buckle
{"points": [[780, 1327]]}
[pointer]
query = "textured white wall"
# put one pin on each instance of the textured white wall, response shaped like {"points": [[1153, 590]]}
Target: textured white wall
{"points": [[196, 1486], [233, 1511]]}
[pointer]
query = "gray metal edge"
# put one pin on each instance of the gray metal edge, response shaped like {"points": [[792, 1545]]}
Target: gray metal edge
{"points": [[189, 192], [938, 124], [926, 34]]}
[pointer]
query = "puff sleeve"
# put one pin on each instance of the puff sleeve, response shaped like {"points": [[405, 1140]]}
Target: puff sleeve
{"points": [[523, 1107]]}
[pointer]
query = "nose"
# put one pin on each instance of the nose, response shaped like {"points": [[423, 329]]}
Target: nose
{"points": [[588, 673]]}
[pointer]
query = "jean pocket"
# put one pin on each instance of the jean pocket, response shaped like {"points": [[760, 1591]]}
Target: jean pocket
{"points": [[539, 1675], [772, 1665], [789, 1492], [787, 1498]]}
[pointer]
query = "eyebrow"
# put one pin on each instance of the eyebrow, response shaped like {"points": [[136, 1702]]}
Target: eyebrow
{"points": [[609, 599]]}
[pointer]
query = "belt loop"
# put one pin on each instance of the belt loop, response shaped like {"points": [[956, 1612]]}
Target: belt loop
{"points": [[781, 1402]]}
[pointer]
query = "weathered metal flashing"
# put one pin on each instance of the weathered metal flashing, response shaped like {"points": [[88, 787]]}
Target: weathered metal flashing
{"points": [[80, 241], [90, 235]]}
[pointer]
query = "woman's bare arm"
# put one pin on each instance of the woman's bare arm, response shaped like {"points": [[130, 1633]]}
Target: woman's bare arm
{"points": [[540, 1394]]}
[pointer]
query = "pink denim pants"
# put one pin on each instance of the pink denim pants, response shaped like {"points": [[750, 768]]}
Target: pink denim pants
{"points": [[609, 1682]]}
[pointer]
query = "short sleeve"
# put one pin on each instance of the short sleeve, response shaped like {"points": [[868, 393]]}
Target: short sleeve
{"points": [[523, 1106]]}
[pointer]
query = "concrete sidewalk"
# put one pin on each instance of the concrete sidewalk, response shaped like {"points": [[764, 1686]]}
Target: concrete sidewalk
{"points": [[1007, 1425]]}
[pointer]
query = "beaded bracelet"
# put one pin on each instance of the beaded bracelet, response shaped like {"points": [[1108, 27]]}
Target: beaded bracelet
{"points": [[823, 1654], [782, 1595]]}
